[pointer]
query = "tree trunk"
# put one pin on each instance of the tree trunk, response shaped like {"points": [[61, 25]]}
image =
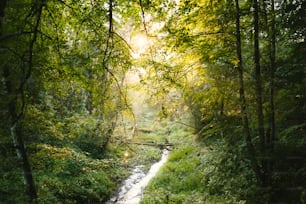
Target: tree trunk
{"points": [[258, 83], [270, 135], [2, 10], [16, 135], [26, 167], [269, 15], [264, 154], [271, 140], [248, 138], [15, 119], [272, 73]]}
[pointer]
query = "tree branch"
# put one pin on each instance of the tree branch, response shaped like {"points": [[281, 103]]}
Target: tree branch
{"points": [[143, 17], [11, 35], [30, 67], [127, 44]]}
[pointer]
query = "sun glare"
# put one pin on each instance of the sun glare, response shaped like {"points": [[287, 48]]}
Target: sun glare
{"points": [[141, 41], [140, 44]]}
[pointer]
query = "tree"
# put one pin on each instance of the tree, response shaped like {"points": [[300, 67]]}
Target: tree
{"points": [[244, 115], [62, 62], [263, 37], [15, 84]]}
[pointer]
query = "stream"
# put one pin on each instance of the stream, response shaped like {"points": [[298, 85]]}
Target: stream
{"points": [[132, 188]]}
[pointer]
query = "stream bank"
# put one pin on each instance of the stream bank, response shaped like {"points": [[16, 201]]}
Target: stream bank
{"points": [[132, 188]]}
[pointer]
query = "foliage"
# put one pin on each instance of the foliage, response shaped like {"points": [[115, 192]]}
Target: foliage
{"points": [[10, 174], [199, 174], [66, 175], [63, 87], [61, 90], [201, 41]]}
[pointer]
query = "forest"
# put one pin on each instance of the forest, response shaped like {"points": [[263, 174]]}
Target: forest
{"points": [[89, 89]]}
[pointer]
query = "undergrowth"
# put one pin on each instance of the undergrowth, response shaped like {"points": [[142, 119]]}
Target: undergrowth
{"points": [[198, 173]]}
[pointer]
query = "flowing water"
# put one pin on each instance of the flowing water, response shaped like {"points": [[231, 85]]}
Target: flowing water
{"points": [[132, 188]]}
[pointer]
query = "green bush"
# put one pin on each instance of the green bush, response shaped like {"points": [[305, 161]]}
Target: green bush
{"points": [[64, 175]]}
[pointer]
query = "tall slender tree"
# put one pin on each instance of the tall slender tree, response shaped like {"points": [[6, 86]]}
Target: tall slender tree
{"points": [[272, 55], [243, 104], [258, 80], [15, 92]]}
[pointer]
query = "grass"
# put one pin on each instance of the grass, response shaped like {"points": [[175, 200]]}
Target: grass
{"points": [[193, 173], [189, 176]]}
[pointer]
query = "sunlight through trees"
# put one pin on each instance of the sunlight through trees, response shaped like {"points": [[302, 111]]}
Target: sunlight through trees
{"points": [[84, 82]]}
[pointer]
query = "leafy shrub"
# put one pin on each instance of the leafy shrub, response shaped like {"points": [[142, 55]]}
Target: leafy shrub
{"points": [[88, 134], [10, 174], [67, 176]]}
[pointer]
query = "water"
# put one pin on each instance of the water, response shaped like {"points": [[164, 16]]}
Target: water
{"points": [[132, 188]]}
